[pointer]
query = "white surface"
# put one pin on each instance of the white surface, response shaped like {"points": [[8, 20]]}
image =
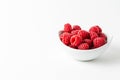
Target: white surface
{"points": [[28, 45]]}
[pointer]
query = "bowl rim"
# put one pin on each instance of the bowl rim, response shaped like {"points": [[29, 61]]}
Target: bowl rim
{"points": [[109, 40]]}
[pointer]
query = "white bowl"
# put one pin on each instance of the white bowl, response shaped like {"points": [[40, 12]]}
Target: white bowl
{"points": [[86, 55]]}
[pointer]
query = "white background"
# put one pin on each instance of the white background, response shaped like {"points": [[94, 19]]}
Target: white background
{"points": [[29, 49]]}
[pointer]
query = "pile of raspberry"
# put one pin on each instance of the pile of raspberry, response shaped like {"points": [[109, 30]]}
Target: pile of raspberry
{"points": [[75, 37]]}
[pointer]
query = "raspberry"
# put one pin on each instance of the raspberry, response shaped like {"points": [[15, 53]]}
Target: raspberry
{"points": [[82, 39], [65, 38], [60, 34], [76, 27], [93, 35], [96, 29], [103, 35], [75, 47], [99, 41], [83, 46], [67, 27], [88, 41], [84, 34], [75, 40], [74, 32]]}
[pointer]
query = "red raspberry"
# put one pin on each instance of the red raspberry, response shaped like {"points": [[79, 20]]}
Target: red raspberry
{"points": [[74, 32], [76, 27], [84, 34], [75, 47], [60, 34], [103, 35], [75, 40], [93, 35], [65, 38], [67, 27], [96, 29], [83, 46], [99, 41], [88, 41]]}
